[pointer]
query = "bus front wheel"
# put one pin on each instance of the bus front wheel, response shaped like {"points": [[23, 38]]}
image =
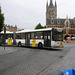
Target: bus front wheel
{"points": [[40, 45]]}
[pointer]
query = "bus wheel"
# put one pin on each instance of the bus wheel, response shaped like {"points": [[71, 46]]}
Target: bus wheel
{"points": [[40, 45], [19, 44]]}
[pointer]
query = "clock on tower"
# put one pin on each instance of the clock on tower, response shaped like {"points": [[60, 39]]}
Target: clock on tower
{"points": [[51, 12]]}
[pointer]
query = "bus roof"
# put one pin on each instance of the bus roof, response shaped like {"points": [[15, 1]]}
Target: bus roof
{"points": [[7, 32], [37, 30]]}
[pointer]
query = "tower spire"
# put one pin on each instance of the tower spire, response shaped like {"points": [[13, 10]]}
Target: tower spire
{"points": [[55, 4], [51, 4], [47, 6]]}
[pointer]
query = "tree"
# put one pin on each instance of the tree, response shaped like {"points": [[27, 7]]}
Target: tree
{"points": [[1, 20], [39, 26], [44, 27]]}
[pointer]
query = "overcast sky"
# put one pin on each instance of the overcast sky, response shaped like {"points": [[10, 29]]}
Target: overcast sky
{"points": [[26, 14]]}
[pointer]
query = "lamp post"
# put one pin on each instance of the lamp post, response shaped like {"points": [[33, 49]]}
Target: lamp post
{"points": [[4, 36]]}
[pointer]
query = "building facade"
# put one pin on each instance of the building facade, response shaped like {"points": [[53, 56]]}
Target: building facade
{"points": [[67, 24], [11, 28]]}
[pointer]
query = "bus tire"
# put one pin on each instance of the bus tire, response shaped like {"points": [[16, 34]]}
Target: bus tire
{"points": [[40, 45], [19, 44]]}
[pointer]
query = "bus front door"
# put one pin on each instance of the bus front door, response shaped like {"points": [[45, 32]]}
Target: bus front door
{"points": [[47, 39], [27, 40]]}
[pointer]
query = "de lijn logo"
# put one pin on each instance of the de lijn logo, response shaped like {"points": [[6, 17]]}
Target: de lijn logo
{"points": [[66, 73]]}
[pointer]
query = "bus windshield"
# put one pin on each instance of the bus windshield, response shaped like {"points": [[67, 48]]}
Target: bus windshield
{"points": [[57, 36]]}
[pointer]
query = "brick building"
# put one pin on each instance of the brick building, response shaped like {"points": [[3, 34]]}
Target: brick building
{"points": [[11, 28]]}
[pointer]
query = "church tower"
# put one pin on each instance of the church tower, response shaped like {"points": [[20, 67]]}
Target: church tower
{"points": [[51, 10]]}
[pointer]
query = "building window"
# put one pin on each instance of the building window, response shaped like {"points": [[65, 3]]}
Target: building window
{"points": [[74, 20], [52, 22], [58, 21], [66, 24]]}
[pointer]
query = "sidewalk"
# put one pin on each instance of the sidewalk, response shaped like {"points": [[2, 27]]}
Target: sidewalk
{"points": [[7, 50], [66, 62]]}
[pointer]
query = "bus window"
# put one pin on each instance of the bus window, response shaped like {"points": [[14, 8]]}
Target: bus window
{"points": [[1, 36], [45, 37], [32, 35], [57, 36], [49, 37], [22, 36], [17, 36], [38, 35], [9, 36]]}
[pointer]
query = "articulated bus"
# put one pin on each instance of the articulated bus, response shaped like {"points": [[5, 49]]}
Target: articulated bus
{"points": [[9, 38], [41, 38]]}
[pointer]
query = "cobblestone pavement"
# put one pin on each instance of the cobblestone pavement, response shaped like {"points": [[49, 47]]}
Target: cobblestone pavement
{"points": [[7, 50], [30, 61], [66, 62]]}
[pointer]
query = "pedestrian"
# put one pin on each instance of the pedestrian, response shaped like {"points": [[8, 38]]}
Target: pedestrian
{"points": [[67, 40]]}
